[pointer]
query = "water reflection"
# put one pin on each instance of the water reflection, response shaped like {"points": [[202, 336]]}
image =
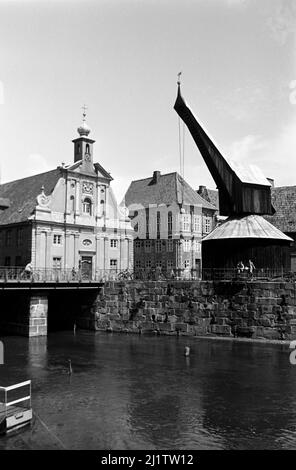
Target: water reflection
{"points": [[141, 392]]}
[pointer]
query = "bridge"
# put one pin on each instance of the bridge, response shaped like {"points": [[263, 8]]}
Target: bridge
{"points": [[33, 303], [15, 275]]}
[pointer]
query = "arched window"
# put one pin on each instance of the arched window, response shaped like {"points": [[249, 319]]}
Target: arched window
{"points": [[78, 149], [87, 148], [87, 206]]}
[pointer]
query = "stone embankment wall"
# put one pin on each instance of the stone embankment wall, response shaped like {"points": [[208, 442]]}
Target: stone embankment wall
{"points": [[242, 309]]}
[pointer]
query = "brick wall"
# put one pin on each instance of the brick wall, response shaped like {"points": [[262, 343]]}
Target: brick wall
{"points": [[243, 309]]}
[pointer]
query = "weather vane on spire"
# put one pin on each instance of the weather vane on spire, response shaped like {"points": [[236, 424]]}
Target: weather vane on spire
{"points": [[84, 107], [179, 78]]}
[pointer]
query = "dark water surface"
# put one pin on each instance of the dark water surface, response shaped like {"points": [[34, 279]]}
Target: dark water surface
{"points": [[140, 392]]}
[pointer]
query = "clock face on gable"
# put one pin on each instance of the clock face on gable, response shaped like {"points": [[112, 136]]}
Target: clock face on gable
{"points": [[87, 187]]}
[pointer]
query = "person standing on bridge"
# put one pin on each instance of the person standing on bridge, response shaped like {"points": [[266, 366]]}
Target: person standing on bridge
{"points": [[252, 268], [28, 270], [73, 272]]}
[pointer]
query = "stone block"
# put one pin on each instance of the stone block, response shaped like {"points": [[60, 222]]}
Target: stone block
{"points": [[203, 322], [266, 308], [41, 330], [148, 325], [271, 333], [166, 327], [197, 330], [103, 324], [113, 316], [245, 331], [291, 310], [33, 330], [172, 318], [182, 327], [265, 321], [38, 321], [222, 320], [116, 325], [221, 330], [38, 310]]}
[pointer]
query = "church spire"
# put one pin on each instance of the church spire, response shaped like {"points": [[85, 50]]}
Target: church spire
{"points": [[83, 130], [83, 145]]}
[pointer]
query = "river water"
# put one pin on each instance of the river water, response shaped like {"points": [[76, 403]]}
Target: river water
{"points": [[141, 392]]}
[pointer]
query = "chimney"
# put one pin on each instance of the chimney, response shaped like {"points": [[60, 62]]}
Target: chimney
{"points": [[155, 177], [203, 192], [271, 181]]}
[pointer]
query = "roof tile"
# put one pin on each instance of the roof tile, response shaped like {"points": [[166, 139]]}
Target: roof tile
{"points": [[283, 199], [169, 188], [22, 195]]}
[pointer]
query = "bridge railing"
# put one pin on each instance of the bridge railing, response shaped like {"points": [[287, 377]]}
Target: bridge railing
{"points": [[19, 274], [245, 274]]}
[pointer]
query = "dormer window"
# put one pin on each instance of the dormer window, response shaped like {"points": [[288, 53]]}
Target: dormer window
{"points": [[87, 206]]}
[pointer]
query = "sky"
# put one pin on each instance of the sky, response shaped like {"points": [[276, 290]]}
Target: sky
{"points": [[121, 58]]}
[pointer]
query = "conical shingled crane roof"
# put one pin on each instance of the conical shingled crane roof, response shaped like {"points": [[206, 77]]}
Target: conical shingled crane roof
{"points": [[250, 226]]}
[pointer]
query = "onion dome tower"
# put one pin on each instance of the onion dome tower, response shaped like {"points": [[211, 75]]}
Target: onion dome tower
{"points": [[83, 145]]}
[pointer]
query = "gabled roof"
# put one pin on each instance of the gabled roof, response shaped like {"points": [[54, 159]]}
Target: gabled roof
{"points": [[97, 168], [284, 201], [22, 195], [168, 188], [102, 170], [250, 226]]}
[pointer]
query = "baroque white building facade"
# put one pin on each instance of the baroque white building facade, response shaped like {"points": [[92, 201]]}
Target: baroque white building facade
{"points": [[67, 218]]}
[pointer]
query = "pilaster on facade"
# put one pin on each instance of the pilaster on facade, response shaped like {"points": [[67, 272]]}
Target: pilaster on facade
{"points": [[130, 254], [77, 198], [48, 248], [100, 253], [75, 254], [106, 252], [122, 254], [68, 258], [33, 246]]}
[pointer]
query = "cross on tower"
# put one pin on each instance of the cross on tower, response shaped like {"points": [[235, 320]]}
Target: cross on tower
{"points": [[84, 107]]}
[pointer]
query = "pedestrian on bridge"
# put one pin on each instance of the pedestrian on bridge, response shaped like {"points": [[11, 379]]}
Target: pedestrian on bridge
{"points": [[28, 270]]}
